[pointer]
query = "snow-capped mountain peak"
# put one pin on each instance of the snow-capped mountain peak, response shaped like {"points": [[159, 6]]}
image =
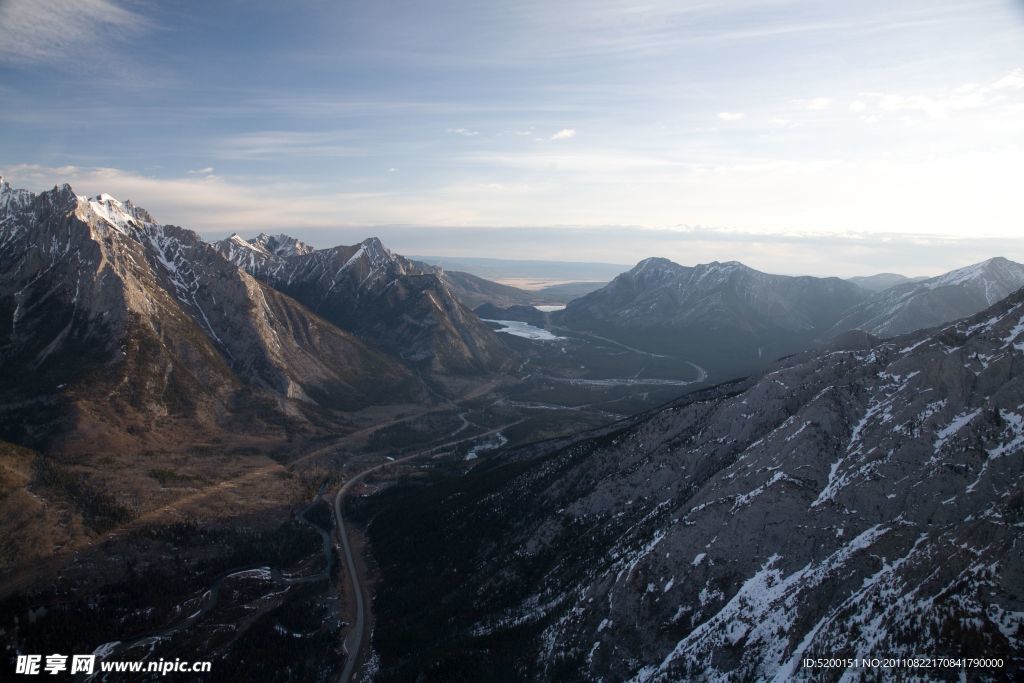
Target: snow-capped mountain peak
{"points": [[366, 289], [282, 245], [122, 216], [917, 305], [993, 268], [243, 243], [11, 199], [138, 298]]}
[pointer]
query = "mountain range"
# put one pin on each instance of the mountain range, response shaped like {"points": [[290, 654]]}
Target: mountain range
{"points": [[732, 319], [849, 496], [116, 329], [926, 303], [880, 281], [862, 499], [95, 291], [396, 304], [726, 317]]}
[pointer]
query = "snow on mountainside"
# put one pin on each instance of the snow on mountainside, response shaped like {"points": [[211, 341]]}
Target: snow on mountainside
{"points": [[12, 201], [282, 245], [393, 302], [94, 292], [257, 252], [934, 301], [857, 502]]}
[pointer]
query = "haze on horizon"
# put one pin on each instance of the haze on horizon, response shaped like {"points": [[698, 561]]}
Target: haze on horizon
{"points": [[797, 137]]}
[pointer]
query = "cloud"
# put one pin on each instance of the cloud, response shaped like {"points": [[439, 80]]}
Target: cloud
{"points": [[201, 171], [588, 164], [483, 218], [1013, 80], [944, 104], [465, 132], [204, 202], [276, 144], [858, 106], [731, 115], [215, 203], [41, 31], [816, 103], [564, 134]]}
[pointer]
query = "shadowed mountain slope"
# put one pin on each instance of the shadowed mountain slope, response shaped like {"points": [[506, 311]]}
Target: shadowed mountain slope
{"points": [[859, 500]]}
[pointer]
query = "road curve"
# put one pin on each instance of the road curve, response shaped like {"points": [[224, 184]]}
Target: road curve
{"points": [[354, 640]]}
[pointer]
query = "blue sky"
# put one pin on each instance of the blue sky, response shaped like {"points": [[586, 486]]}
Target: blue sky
{"points": [[817, 137]]}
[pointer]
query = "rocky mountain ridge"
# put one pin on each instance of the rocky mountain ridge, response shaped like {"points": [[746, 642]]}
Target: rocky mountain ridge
{"points": [[121, 326], [934, 301], [724, 316], [394, 303]]}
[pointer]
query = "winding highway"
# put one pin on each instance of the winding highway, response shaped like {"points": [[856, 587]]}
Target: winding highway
{"points": [[356, 638]]}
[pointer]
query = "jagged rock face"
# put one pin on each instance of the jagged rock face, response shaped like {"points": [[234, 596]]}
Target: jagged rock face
{"points": [[102, 308], [935, 301], [844, 504], [385, 298], [281, 245], [722, 315]]}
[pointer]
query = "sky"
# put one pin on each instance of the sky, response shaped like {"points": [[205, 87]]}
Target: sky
{"points": [[827, 138]]}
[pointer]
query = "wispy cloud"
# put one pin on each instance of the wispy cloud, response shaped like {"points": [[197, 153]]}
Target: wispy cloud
{"points": [[216, 204], [564, 134], [201, 171], [1011, 81], [607, 161], [946, 103], [731, 115], [457, 220], [289, 144], [464, 132], [60, 30], [816, 103]]}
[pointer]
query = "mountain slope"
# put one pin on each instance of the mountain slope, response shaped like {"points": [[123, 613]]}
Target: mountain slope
{"points": [[115, 327], [882, 281], [473, 291], [564, 293], [724, 316], [847, 503], [935, 301], [384, 298]]}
